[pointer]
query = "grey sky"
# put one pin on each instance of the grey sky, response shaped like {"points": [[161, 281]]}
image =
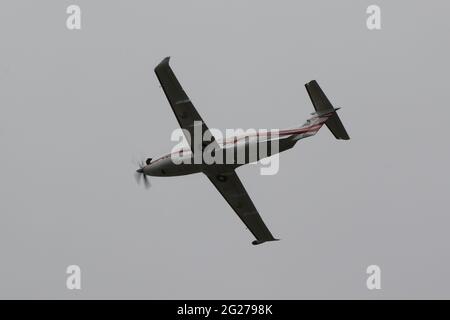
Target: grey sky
{"points": [[76, 106]]}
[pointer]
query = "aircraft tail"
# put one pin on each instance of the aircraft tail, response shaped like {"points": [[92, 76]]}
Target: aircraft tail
{"points": [[323, 107]]}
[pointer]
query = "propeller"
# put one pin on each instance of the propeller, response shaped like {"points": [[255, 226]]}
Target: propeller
{"points": [[140, 175]]}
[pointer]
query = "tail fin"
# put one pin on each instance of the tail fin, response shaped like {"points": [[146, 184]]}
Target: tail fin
{"points": [[323, 106]]}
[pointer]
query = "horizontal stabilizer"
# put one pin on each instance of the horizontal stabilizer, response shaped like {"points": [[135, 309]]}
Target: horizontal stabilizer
{"points": [[323, 106]]}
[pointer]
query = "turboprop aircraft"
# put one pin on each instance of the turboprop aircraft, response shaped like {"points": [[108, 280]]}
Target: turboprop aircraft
{"points": [[222, 173]]}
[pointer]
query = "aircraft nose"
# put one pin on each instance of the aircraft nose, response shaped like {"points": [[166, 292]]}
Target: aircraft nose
{"points": [[140, 170]]}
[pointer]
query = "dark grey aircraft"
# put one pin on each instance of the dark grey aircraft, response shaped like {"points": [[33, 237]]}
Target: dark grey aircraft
{"points": [[222, 173]]}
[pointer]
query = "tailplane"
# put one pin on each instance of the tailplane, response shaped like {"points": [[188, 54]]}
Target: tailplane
{"points": [[324, 107]]}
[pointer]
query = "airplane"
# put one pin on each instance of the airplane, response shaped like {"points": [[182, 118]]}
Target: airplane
{"points": [[223, 175]]}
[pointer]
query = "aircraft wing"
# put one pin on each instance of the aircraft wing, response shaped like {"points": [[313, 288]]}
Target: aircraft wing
{"points": [[231, 188], [182, 106]]}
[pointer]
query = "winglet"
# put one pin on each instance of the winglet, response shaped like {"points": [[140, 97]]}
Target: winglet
{"points": [[164, 62], [256, 242]]}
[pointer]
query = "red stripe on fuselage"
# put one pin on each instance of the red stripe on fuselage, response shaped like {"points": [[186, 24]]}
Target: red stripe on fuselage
{"points": [[235, 139]]}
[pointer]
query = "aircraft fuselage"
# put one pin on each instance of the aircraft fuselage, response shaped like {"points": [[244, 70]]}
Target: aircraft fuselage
{"points": [[235, 152]]}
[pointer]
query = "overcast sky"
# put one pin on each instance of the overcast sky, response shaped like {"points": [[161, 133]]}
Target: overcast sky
{"points": [[77, 106]]}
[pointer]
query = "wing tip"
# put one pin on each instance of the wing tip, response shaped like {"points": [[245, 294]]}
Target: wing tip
{"points": [[257, 242], [310, 83], [163, 63]]}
